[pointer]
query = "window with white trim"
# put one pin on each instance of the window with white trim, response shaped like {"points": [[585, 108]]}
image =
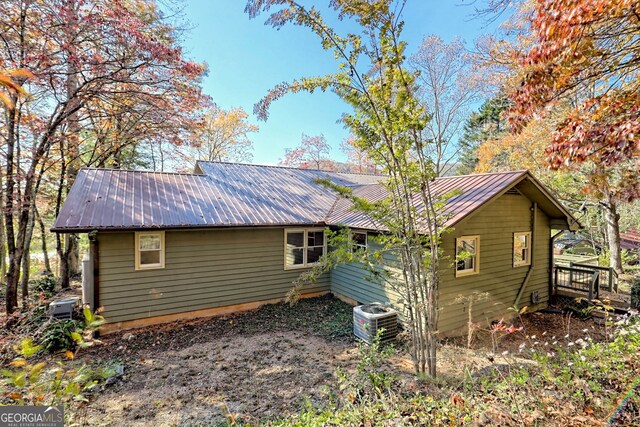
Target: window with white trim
{"points": [[521, 248], [303, 247], [467, 255], [358, 241], [149, 250]]}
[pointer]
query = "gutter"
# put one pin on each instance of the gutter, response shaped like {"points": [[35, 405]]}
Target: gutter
{"points": [[531, 254], [185, 227]]}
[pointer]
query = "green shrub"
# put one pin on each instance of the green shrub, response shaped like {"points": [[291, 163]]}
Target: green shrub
{"points": [[580, 307], [40, 383], [45, 284], [635, 293], [66, 381], [58, 335]]}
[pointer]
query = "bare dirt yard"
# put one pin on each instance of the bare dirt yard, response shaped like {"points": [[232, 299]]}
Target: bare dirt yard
{"points": [[271, 362]]}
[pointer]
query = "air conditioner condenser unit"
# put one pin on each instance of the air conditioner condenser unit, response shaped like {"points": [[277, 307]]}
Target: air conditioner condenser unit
{"points": [[368, 319]]}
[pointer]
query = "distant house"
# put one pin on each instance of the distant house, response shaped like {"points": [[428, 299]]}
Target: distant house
{"points": [[630, 240], [230, 237], [575, 243]]}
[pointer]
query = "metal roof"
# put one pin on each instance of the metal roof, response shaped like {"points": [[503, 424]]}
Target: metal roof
{"points": [[226, 194], [461, 195], [229, 195]]}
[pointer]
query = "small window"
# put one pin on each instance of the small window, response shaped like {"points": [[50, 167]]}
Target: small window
{"points": [[358, 241], [315, 246], [149, 250], [303, 248], [521, 249], [467, 255]]}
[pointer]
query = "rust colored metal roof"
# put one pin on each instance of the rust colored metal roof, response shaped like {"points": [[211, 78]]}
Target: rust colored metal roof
{"points": [[462, 195], [225, 195], [230, 195]]}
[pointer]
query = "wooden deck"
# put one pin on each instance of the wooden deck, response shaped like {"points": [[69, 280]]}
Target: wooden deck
{"points": [[589, 282]]}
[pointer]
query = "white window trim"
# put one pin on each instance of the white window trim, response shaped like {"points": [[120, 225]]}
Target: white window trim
{"points": [[528, 260], [137, 250], [476, 265], [304, 253], [366, 240]]}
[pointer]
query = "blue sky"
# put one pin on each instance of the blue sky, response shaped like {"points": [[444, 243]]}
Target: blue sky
{"points": [[246, 58]]}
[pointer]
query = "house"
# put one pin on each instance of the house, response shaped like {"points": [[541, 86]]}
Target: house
{"points": [[576, 243], [231, 237]]}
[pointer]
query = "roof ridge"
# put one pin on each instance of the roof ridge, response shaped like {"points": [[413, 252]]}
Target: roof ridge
{"points": [[143, 171], [484, 174], [332, 208], [287, 167]]}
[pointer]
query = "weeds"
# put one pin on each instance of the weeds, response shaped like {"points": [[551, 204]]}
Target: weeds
{"points": [[469, 300], [566, 323], [370, 380], [582, 383], [29, 381], [499, 330]]}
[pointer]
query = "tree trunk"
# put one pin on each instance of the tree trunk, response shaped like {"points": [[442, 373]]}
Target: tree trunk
{"points": [[3, 240], [71, 248], [45, 251], [612, 227], [13, 268], [63, 269], [73, 259], [26, 259]]}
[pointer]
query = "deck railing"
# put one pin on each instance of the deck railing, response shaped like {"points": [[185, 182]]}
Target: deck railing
{"points": [[578, 280], [608, 276]]}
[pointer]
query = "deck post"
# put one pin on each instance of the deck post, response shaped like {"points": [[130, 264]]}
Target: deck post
{"points": [[571, 277], [610, 274]]}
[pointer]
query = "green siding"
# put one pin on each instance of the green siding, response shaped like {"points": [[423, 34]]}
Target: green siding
{"points": [[203, 269], [216, 268], [495, 224], [357, 283]]}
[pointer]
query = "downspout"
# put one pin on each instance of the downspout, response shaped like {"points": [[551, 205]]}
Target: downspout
{"points": [[552, 260], [94, 254], [532, 255]]}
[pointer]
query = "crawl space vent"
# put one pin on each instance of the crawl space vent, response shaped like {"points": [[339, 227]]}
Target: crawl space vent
{"points": [[368, 319]]}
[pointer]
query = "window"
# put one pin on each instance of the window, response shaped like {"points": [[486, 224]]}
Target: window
{"points": [[303, 248], [358, 241], [521, 249], [149, 250], [467, 255]]}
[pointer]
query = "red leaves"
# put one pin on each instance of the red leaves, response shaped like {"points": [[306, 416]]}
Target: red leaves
{"points": [[582, 50], [500, 326], [604, 130]]}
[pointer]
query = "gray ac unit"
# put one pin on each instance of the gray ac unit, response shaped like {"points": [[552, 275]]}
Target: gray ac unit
{"points": [[368, 319], [63, 308]]}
